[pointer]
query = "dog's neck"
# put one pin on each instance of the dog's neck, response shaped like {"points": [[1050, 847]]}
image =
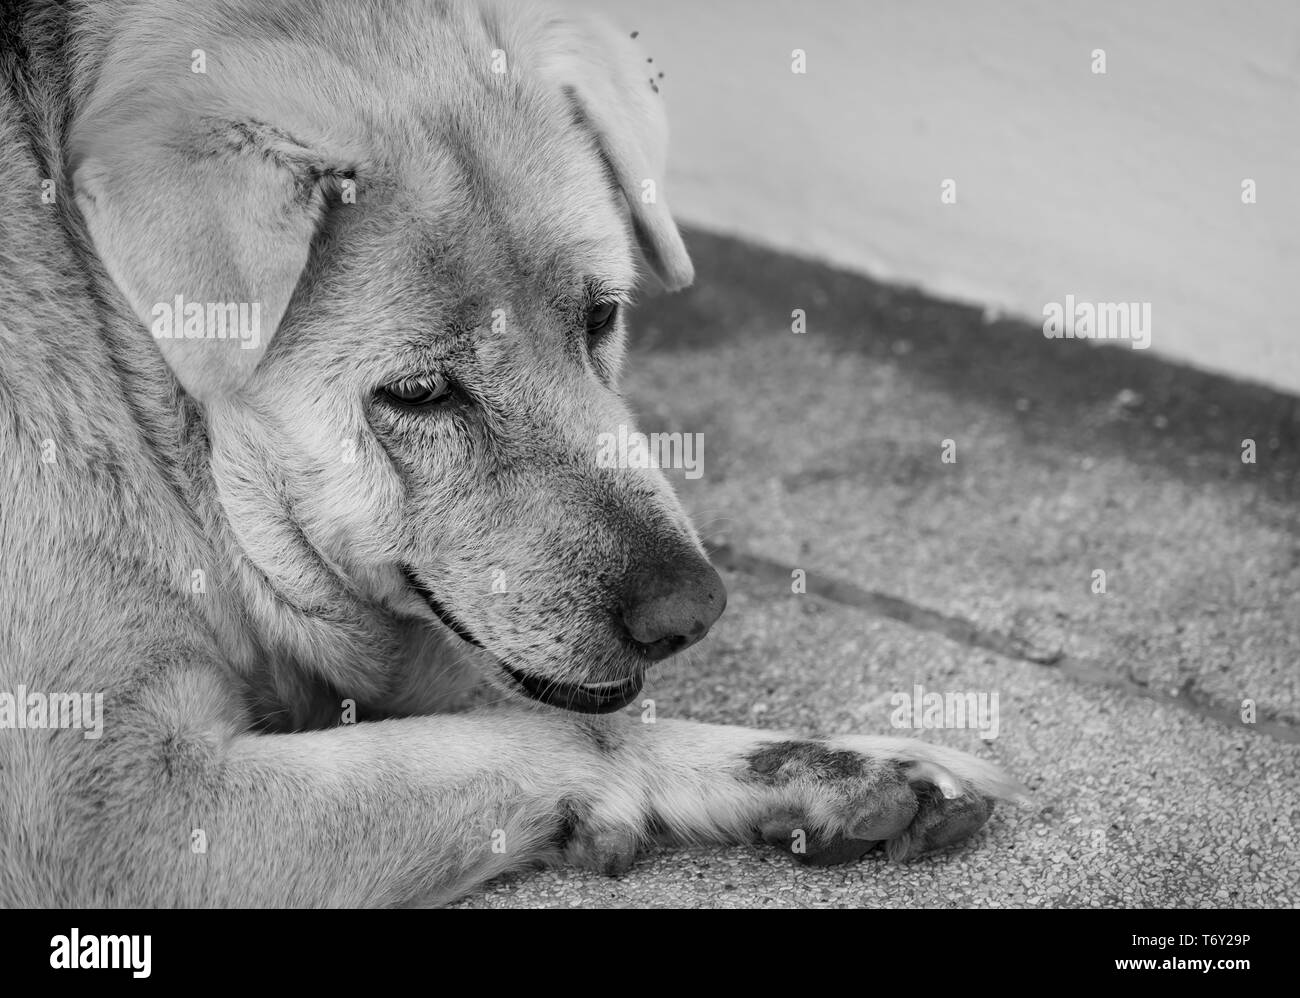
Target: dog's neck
{"points": [[306, 639]]}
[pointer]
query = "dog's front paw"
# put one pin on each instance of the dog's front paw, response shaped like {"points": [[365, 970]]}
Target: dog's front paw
{"points": [[837, 800]]}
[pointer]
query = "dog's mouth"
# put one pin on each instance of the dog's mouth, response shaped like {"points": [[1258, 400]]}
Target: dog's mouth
{"points": [[588, 698], [441, 612], [583, 698]]}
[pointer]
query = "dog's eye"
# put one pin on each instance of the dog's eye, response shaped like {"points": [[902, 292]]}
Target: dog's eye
{"points": [[417, 392], [601, 316]]}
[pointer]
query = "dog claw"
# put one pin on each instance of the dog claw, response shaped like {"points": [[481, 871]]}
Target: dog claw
{"points": [[929, 772]]}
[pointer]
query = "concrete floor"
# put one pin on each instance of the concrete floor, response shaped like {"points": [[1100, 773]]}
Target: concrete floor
{"points": [[1122, 711]]}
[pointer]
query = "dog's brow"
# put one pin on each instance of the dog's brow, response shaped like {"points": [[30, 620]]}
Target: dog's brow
{"points": [[601, 289]]}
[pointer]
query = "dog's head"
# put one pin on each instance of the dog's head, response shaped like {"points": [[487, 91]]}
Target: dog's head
{"points": [[391, 256]]}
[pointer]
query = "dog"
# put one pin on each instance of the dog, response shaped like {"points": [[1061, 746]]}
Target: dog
{"points": [[311, 315]]}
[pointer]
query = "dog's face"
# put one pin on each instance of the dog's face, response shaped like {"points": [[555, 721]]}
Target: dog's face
{"points": [[437, 216]]}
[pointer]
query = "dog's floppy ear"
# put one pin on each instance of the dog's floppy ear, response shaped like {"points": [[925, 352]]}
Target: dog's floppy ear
{"points": [[205, 226], [601, 72]]}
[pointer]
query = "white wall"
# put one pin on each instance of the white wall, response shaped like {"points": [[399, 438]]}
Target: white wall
{"points": [[1122, 187]]}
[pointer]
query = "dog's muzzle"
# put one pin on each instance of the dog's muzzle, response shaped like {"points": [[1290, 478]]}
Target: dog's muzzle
{"points": [[588, 698]]}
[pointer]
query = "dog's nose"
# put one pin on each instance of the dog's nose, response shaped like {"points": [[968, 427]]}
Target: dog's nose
{"points": [[672, 606]]}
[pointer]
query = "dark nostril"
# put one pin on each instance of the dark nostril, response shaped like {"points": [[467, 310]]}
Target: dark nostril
{"points": [[671, 608], [657, 651]]}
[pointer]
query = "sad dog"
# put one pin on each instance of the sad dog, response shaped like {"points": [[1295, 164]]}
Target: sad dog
{"points": [[243, 541]]}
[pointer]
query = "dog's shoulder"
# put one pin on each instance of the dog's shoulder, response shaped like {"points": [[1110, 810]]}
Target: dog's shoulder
{"points": [[89, 512]]}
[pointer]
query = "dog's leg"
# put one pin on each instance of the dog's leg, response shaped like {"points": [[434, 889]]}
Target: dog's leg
{"points": [[424, 809], [183, 809], [824, 801]]}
